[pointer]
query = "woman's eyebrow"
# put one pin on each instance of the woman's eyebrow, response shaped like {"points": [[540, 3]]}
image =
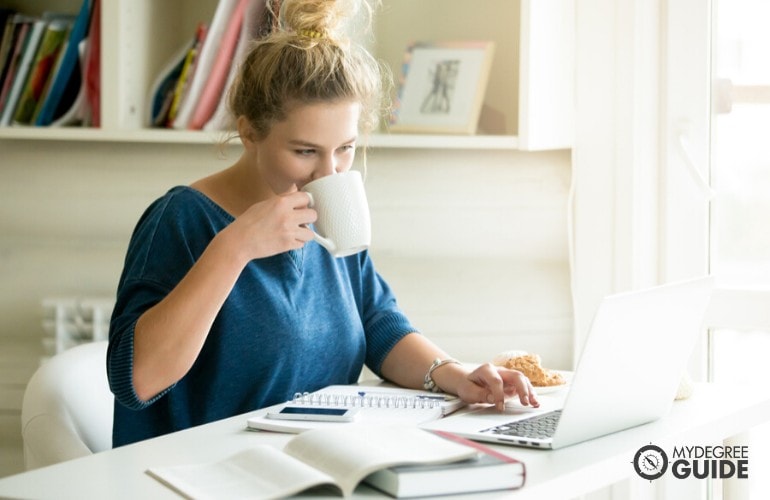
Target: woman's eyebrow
{"points": [[307, 144]]}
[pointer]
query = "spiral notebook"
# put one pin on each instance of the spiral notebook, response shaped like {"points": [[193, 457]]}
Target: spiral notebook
{"points": [[376, 404]]}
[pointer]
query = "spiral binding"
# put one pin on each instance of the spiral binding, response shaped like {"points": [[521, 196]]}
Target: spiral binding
{"points": [[364, 400]]}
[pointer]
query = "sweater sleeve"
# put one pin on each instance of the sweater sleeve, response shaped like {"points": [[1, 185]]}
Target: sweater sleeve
{"points": [[159, 255], [384, 321], [120, 354]]}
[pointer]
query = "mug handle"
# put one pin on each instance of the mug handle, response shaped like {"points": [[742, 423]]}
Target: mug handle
{"points": [[324, 242]]}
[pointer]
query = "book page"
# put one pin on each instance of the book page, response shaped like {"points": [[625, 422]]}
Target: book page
{"points": [[350, 453], [262, 472]]}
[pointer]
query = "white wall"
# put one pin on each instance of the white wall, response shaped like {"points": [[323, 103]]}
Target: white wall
{"points": [[475, 244]]}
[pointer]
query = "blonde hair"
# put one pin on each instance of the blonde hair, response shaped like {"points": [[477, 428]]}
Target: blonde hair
{"points": [[308, 58]]}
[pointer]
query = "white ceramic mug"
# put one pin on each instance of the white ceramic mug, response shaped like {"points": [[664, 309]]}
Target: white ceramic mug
{"points": [[343, 226]]}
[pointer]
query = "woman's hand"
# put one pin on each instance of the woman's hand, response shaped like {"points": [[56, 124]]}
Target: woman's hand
{"points": [[493, 384], [275, 225], [413, 354]]}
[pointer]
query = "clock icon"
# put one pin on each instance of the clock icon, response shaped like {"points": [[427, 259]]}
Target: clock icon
{"points": [[650, 462]]}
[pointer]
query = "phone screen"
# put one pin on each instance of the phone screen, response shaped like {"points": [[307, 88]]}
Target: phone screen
{"points": [[298, 410], [324, 414]]}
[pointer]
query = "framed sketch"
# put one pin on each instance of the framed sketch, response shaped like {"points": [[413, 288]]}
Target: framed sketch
{"points": [[442, 87]]}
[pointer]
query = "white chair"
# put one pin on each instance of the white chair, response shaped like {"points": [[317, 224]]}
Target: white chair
{"points": [[67, 408]]}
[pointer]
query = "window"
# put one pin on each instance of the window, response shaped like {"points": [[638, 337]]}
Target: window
{"points": [[740, 177]]}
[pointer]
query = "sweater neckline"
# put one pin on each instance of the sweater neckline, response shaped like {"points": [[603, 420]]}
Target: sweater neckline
{"points": [[297, 259]]}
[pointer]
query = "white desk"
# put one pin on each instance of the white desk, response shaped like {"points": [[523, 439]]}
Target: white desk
{"points": [[712, 414]]}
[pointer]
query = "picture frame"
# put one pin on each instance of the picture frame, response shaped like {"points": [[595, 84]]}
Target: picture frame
{"points": [[442, 87]]}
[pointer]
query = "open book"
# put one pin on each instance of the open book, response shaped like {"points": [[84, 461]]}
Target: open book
{"points": [[339, 458], [379, 404]]}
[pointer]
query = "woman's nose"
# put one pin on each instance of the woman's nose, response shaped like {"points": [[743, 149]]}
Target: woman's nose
{"points": [[328, 166]]}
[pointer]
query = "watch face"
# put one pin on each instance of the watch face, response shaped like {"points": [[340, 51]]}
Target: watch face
{"points": [[650, 462]]}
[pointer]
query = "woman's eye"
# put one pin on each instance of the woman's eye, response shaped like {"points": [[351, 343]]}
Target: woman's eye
{"points": [[305, 152]]}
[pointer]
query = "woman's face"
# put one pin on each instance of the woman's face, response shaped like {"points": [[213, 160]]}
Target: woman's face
{"points": [[314, 140]]}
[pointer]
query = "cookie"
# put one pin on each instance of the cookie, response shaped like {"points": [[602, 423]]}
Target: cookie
{"points": [[529, 365]]}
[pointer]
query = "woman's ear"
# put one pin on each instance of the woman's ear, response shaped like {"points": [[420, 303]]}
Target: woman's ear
{"points": [[245, 131]]}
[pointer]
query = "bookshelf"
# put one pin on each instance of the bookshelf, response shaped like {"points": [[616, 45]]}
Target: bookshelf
{"points": [[144, 135], [528, 104]]}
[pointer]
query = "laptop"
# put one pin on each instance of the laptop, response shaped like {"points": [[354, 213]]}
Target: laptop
{"points": [[628, 374]]}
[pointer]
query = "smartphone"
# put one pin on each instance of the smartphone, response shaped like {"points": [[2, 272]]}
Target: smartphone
{"points": [[319, 414]]}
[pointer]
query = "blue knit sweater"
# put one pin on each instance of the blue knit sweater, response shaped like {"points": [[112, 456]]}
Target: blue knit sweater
{"points": [[294, 322]]}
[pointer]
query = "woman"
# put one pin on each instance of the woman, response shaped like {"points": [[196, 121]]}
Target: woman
{"points": [[225, 304]]}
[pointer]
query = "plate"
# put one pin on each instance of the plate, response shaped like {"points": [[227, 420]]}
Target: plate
{"points": [[548, 389]]}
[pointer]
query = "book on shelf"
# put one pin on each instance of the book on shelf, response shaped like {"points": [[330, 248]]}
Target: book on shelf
{"points": [[20, 25], [163, 88], [5, 14], [183, 81], [338, 460], [66, 78], [204, 62], [92, 68], [255, 26], [486, 471], [28, 49], [73, 108], [211, 59], [47, 53], [376, 405], [214, 84], [7, 27]]}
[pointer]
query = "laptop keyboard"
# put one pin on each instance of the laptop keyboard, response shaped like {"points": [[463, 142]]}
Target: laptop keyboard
{"points": [[540, 426]]}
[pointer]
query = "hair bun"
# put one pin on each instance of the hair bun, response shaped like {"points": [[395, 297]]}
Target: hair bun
{"points": [[317, 18], [307, 57]]}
